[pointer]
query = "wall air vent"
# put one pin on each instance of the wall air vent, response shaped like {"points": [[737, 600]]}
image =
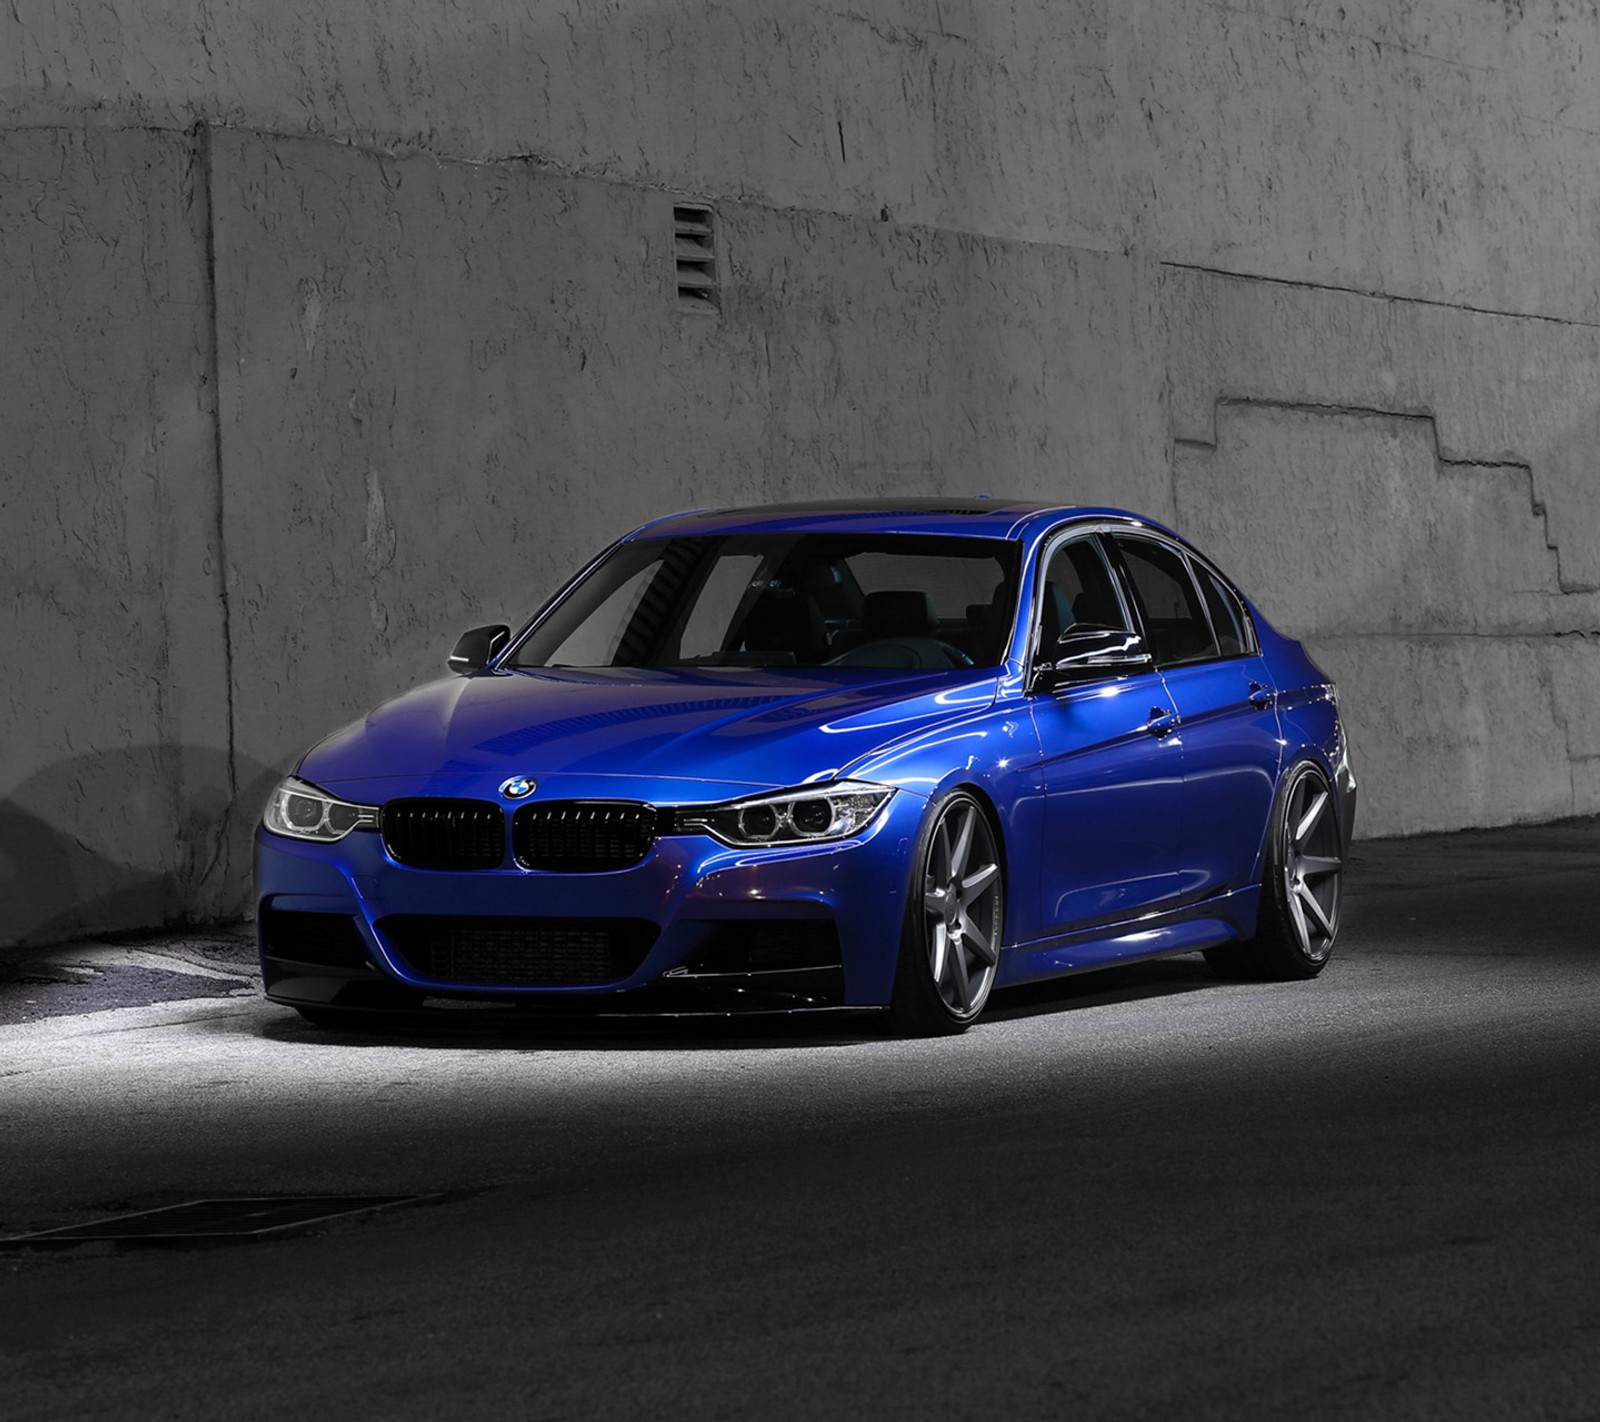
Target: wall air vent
{"points": [[694, 246]]}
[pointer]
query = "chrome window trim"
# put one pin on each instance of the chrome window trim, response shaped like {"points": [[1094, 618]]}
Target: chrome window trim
{"points": [[1189, 557], [1093, 529], [1254, 647]]}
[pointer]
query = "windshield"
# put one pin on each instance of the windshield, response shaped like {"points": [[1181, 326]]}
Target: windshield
{"points": [[786, 599]]}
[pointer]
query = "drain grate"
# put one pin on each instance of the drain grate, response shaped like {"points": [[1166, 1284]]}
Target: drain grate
{"points": [[216, 1221]]}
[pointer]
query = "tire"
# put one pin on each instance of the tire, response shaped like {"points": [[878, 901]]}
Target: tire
{"points": [[1301, 886], [955, 914]]}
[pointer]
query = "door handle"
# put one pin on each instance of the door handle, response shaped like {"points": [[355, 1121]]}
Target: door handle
{"points": [[1162, 722], [1261, 696]]}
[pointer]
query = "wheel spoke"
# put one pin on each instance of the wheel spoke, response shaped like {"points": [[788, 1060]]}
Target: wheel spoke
{"points": [[1304, 895], [1318, 865], [974, 884], [963, 845], [959, 980], [933, 902], [978, 939], [940, 954], [1301, 927], [1312, 815]]}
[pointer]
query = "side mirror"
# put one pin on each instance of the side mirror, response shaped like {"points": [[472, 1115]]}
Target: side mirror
{"points": [[478, 648], [1086, 652]]}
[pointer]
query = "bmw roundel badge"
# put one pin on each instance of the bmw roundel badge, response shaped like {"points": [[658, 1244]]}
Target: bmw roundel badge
{"points": [[519, 787]]}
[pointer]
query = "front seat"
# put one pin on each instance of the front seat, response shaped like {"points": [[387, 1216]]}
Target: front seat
{"points": [[897, 612]]}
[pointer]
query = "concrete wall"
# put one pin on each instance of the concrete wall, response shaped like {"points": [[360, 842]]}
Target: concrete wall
{"points": [[115, 765], [1410, 487], [333, 328]]}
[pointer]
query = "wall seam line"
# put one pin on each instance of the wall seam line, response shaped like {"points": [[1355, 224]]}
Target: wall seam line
{"points": [[1374, 295], [206, 155]]}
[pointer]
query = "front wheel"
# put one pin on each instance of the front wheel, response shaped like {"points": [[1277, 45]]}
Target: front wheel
{"points": [[950, 946], [1301, 889]]}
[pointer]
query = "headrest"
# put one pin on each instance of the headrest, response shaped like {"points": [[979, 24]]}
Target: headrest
{"points": [[897, 613]]}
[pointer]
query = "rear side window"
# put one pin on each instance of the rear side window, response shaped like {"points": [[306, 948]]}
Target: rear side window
{"points": [[1174, 618], [1228, 618]]}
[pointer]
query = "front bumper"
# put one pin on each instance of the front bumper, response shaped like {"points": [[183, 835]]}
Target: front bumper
{"points": [[808, 926]]}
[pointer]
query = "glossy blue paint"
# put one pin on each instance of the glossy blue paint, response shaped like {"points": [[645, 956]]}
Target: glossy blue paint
{"points": [[1130, 811], [734, 728], [1232, 750], [1113, 814]]}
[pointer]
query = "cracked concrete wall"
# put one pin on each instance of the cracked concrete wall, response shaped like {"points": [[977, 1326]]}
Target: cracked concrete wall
{"points": [[115, 766], [334, 328], [1425, 148], [560, 397], [1411, 488]]}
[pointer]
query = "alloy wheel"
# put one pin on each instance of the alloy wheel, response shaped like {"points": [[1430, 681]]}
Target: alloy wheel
{"points": [[961, 903], [1312, 868]]}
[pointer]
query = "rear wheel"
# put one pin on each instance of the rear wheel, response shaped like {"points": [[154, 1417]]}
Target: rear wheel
{"points": [[950, 946], [1301, 888]]}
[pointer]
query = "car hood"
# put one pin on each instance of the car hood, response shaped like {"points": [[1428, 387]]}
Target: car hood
{"points": [[727, 731]]}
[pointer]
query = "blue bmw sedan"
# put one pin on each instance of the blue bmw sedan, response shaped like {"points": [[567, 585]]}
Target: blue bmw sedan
{"points": [[868, 755]]}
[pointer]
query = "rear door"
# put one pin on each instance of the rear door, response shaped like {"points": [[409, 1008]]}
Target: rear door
{"points": [[1224, 698]]}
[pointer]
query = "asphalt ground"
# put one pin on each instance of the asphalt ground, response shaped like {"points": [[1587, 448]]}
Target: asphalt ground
{"points": [[128, 970], [1142, 1192]]}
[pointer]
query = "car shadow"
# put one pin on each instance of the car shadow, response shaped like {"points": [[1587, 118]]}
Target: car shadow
{"points": [[492, 1028], [1101, 987], [511, 1029], [126, 840]]}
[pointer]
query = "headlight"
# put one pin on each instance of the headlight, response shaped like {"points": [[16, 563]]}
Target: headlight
{"points": [[302, 811], [807, 816]]}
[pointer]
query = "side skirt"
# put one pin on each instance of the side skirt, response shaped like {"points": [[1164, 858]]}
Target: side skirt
{"points": [[1227, 918]]}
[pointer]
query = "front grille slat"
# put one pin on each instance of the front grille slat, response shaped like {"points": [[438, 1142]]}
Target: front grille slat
{"points": [[520, 952], [584, 836], [444, 834], [564, 836]]}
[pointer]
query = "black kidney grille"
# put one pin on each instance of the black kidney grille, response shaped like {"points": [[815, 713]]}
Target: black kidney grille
{"points": [[583, 836], [445, 834], [521, 952]]}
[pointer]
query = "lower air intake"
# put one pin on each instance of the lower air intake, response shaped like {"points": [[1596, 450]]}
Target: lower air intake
{"points": [[325, 940], [520, 952]]}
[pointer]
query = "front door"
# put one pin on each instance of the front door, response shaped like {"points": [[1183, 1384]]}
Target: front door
{"points": [[1112, 764]]}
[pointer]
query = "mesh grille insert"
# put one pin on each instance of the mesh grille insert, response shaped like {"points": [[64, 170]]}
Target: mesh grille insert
{"points": [[445, 834], [584, 836], [520, 952]]}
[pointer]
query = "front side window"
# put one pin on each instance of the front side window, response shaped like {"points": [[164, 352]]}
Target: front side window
{"points": [[1175, 620], [1077, 591], [776, 600]]}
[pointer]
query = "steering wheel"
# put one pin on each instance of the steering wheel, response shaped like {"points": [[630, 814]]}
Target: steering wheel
{"points": [[903, 652]]}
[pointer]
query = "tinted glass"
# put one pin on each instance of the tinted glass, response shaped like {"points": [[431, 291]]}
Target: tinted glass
{"points": [[1077, 591], [775, 600], [1174, 620], [1228, 618]]}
